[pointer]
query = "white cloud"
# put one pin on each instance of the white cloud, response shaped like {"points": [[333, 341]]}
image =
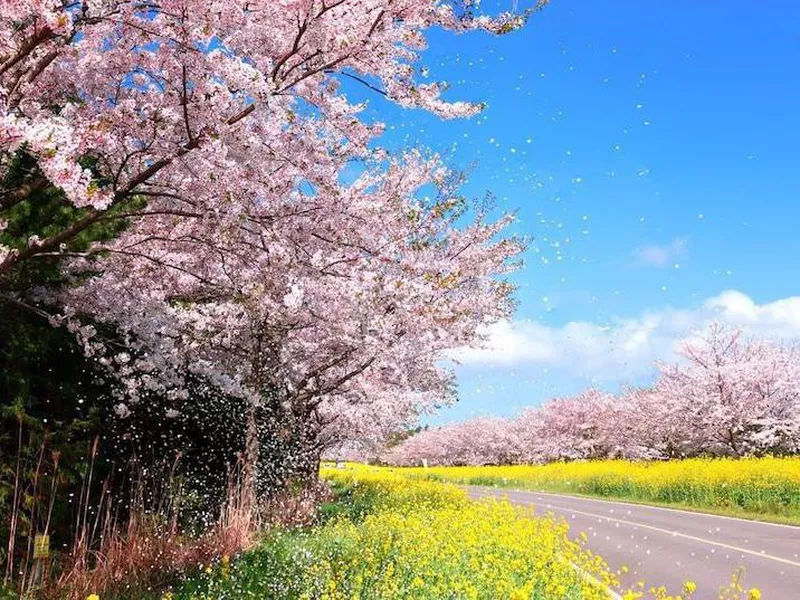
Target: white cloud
{"points": [[658, 255], [625, 349]]}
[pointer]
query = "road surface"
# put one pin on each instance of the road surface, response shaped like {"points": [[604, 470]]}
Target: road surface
{"points": [[665, 546]]}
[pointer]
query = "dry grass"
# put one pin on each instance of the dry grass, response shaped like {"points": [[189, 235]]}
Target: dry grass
{"points": [[150, 549], [129, 543]]}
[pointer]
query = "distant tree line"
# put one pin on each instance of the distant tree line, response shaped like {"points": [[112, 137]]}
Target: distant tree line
{"points": [[726, 396]]}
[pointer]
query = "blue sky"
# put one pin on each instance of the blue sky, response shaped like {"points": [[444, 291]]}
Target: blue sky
{"points": [[651, 148]]}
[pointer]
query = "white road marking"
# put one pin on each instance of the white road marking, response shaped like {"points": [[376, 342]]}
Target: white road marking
{"points": [[650, 507], [760, 554], [595, 581]]}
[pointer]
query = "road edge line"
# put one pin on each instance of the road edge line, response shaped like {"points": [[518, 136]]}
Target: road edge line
{"points": [[651, 506], [595, 581]]}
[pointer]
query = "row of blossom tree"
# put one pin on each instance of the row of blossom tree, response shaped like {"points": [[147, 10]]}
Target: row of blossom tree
{"points": [[727, 396], [193, 189], [217, 133]]}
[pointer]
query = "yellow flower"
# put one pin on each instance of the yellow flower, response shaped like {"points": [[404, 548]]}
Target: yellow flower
{"points": [[93, 597], [226, 566], [430, 534]]}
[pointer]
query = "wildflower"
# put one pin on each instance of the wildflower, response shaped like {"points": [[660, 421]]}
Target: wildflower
{"points": [[755, 594], [689, 587], [93, 597], [226, 566]]}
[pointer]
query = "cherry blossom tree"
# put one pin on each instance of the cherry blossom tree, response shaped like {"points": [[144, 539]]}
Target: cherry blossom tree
{"points": [[183, 101], [477, 441], [725, 396], [731, 396], [649, 425], [218, 133], [330, 322], [570, 428]]}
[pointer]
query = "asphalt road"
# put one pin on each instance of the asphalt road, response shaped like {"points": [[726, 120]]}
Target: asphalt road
{"points": [[668, 547]]}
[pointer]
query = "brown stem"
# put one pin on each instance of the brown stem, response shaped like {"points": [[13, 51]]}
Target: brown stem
{"points": [[27, 47], [12, 530]]}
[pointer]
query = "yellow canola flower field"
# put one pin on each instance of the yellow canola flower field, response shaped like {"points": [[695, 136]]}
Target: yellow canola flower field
{"points": [[388, 537], [428, 540], [766, 487]]}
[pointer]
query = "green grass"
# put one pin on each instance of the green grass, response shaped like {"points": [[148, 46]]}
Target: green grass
{"points": [[8, 593]]}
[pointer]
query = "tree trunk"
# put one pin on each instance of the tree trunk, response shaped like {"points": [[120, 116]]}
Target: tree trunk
{"points": [[307, 471], [252, 451]]}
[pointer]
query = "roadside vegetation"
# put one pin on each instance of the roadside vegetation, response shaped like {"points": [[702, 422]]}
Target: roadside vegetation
{"points": [[388, 537], [198, 292], [765, 488]]}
